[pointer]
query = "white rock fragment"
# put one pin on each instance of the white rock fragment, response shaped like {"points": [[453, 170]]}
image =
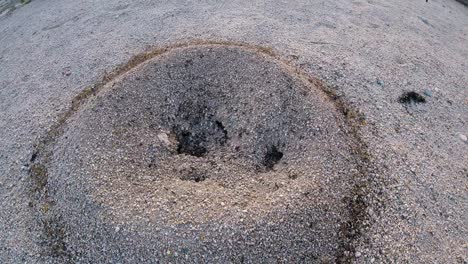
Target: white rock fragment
{"points": [[164, 139], [462, 137]]}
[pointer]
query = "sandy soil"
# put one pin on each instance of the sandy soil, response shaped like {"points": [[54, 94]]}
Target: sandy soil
{"points": [[401, 66]]}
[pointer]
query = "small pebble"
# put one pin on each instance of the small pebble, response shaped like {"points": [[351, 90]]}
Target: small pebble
{"points": [[428, 93], [463, 137], [164, 138], [66, 71], [358, 254], [380, 82]]}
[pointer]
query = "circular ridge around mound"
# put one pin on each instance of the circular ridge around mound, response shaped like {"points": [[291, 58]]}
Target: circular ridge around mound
{"points": [[205, 141]]}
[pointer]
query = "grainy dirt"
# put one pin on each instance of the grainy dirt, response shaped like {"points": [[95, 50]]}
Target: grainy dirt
{"points": [[378, 61], [197, 139]]}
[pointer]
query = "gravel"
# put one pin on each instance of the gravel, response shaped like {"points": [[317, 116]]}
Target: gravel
{"points": [[410, 206], [207, 139]]}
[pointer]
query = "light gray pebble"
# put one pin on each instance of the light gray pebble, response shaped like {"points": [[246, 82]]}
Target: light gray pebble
{"points": [[462, 137]]}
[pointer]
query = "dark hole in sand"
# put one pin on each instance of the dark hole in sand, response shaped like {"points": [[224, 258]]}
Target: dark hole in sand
{"points": [[410, 98], [191, 143], [272, 157], [198, 129]]}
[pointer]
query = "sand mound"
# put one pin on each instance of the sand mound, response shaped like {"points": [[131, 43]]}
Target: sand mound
{"points": [[199, 139]]}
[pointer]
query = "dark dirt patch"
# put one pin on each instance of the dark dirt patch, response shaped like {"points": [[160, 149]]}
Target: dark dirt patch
{"points": [[55, 236], [411, 98], [39, 176]]}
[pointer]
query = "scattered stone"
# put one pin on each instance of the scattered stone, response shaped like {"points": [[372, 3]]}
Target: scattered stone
{"points": [[380, 82], [358, 254], [428, 93], [462, 137], [66, 71], [164, 138], [425, 21]]}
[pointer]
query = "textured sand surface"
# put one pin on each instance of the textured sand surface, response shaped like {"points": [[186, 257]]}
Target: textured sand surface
{"points": [[209, 144], [370, 56]]}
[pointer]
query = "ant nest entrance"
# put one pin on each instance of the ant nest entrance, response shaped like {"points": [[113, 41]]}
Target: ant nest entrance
{"points": [[207, 134]]}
